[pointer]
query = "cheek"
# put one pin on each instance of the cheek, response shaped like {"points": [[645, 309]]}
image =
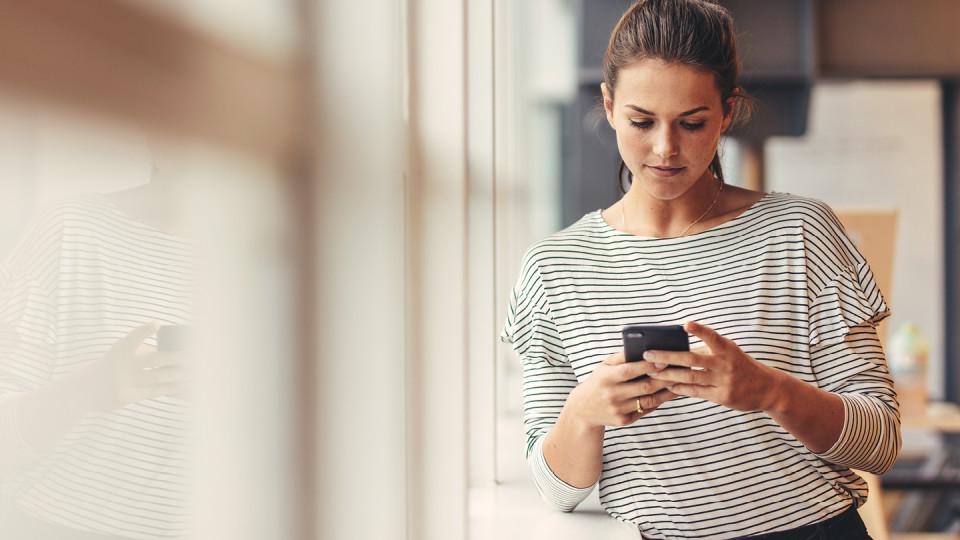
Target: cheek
{"points": [[631, 145], [704, 144], [692, 145], [633, 140]]}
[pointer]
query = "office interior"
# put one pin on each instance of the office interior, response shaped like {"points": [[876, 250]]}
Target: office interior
{"points": [[327, 203]]}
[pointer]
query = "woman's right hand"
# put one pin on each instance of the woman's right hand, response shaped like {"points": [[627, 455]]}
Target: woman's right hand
{"points": [[128, 373], [608, 397], [131, 372]]}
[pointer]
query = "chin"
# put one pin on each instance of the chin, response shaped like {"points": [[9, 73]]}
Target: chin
{"points": [[665, 189]]}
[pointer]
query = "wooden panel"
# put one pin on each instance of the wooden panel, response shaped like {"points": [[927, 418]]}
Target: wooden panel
{"points": [[889, 38], [121, 60], [874, 233]]}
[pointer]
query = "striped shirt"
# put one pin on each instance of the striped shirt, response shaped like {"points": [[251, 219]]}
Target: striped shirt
{"points": [[84, 275], [785, 283]]}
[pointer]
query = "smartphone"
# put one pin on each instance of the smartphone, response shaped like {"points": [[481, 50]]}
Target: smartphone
{"points": [[639, 339], [173, 337]]}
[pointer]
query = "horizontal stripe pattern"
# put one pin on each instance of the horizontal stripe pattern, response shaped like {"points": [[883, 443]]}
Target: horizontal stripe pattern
{"points": [[552, 489], [784, 282], [84, 275]]}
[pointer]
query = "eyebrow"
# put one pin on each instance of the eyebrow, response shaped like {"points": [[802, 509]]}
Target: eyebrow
{"points": [[687, 113]]}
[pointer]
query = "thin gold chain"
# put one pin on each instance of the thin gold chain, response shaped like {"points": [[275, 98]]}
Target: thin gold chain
{"points": [[623, 212]]}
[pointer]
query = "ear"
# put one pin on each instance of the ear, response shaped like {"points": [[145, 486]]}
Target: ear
{"points": [[728, 117], [607, 104]]}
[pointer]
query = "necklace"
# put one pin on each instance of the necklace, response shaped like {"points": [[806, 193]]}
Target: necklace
{"points": [[623, 213]]}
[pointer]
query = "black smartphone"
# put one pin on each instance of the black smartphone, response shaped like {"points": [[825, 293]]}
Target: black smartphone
{"points": [[639, 339], [173, 337]]}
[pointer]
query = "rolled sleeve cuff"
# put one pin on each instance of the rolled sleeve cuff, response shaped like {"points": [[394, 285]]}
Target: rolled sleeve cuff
{"points": [[552, 489], [864, 441]]}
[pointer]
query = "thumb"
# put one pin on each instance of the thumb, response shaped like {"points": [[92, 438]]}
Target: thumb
{"points": [[616, 358], [128, 344]]}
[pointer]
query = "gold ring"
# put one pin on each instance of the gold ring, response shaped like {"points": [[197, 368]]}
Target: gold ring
{"points": [[639, 408]]}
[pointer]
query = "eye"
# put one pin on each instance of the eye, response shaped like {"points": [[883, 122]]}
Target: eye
{"points": [[689, 126]]}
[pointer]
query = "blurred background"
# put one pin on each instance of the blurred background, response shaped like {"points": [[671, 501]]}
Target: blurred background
{"points": [[856, 106], [321, 207]]}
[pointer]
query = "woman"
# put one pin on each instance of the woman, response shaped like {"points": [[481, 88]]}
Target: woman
{"points": [[791, 389], [95, 423]]}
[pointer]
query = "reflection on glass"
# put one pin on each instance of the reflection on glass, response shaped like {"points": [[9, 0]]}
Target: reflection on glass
{"points": [[94, 415]]}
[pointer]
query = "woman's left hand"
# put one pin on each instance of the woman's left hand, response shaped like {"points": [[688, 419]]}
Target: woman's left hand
{"points": [[726, 375]]}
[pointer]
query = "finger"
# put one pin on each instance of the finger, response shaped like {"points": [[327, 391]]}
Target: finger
{"points": [[629, 407], [648, 403], [616, 358], [128, 344], [643, 387], [707, 335], [675, 358], [632, 370], [161, 359], [686, 376], [694, 390], [162, 376], [147, 377], [660, 398]]}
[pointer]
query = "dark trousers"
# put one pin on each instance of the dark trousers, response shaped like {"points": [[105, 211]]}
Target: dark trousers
{"points": [[845, 526]]}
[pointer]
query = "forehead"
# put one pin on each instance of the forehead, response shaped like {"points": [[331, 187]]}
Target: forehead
{"points": [[665, 88]]}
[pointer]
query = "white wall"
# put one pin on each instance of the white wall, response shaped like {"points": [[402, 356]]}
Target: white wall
{"points": [[877, 144], [360, 234]]}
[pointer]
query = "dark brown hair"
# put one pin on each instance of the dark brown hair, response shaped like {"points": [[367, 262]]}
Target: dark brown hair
{"points": [[696, 33]]}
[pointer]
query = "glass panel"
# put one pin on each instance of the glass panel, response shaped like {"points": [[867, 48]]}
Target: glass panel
{"points": [[145, 335]]}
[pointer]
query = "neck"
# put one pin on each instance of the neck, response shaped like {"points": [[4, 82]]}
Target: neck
{"points": [[156, 203], [649, 216]]}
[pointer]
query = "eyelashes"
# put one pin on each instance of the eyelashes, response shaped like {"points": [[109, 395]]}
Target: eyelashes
{"points": [[689, 126]]}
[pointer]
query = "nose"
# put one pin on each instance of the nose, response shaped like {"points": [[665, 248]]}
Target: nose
{"points": [[665, 143]]}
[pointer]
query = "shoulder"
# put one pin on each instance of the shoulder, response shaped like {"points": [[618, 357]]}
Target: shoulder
{"points": [[73, 211], [79, 217], [569, 244], [816, 217], [809, 209], [819, 218], [825, 237]]}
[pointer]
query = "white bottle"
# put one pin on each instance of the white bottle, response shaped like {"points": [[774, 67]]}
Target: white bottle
{"points": [[907, 358]]}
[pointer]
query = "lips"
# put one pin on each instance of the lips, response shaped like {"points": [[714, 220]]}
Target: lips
{"points": [[665, 171]]}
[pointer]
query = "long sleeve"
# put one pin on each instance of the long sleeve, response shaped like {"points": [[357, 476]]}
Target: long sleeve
{"points": [[28, 319], [845, 306], [856, 370], [553, 490], [548, 379]]}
